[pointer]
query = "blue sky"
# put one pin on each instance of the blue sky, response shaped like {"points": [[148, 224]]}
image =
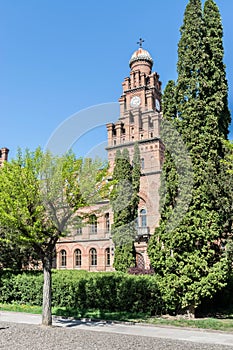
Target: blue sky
{"points": [[58, 57]]}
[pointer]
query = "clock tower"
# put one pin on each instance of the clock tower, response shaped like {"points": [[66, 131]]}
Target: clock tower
{"points": [[90, 246], [139, 121]]}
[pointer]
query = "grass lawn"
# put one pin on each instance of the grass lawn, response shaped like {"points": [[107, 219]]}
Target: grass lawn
{"points": [[223, 323]]}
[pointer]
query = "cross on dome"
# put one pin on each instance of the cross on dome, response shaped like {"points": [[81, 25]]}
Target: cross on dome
{"points": [[141, 59], [140, 42]]}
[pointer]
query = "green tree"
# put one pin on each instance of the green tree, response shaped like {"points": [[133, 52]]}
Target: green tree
{"points": [[12, 256], [188, 259], [215, 92], [124, 201], [39, 197], [136, 173], [169, 176], [216, 88]]}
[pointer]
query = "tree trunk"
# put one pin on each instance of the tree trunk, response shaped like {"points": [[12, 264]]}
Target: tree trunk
{"points": [[47, 293], [191, 312]]}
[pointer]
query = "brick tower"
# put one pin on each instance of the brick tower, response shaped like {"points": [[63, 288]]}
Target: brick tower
{"points": [[3, 155], [90, 247], [140, 117]]}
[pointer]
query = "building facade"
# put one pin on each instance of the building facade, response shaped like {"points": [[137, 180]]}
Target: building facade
{"points": [[90, 247]]}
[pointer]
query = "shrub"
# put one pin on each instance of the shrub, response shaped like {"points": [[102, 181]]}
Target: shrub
{"points": [[107, 291]]}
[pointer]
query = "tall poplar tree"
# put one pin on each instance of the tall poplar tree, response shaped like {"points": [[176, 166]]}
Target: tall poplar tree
{"points": [[189, 260]]}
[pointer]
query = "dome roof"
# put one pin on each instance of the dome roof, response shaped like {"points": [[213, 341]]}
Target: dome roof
{"points": [[140, 55]]}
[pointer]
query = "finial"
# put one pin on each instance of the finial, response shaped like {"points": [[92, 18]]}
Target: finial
{"points": [[140, 42]]}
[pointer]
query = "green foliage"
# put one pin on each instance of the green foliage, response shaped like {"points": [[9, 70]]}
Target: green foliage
{"points": [[39, 196], [228, 160], [41, 193], [221, 303], [15, 257], [21, 287], [82, 291], [216, 83], [136, 171], [126, 256], [124, 201], [79, 291], [189, 260]]}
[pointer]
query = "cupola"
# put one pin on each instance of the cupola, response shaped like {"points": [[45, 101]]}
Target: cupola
{"points": [[141, 60]]}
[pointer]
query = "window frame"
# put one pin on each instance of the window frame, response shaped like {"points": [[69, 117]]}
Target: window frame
{"points": [[79, 230], [63, 258], [143, 217], [142, 163], [93, 257], [77, 257], [107, 257], [93, 224], [107, 222]]}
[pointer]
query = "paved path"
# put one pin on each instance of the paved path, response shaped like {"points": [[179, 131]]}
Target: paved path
{"points": [[171, 333]]}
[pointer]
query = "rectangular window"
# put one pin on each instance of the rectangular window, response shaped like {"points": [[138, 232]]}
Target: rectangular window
{"points": [[93, 224], [107, 257]]}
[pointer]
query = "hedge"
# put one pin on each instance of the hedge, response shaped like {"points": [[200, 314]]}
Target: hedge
{"points": [[108, 291]]}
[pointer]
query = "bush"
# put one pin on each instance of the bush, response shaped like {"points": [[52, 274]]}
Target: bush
{"points": [[21, 287], [220, 303], [81, 290]]}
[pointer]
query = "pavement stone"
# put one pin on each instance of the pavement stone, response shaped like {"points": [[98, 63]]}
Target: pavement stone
{"points": [[19, 323]]}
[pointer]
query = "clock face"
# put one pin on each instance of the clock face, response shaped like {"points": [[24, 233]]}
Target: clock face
{"points": [[135, 101], [157, 105]]}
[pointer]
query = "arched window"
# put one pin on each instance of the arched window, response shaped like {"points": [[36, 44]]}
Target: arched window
{"points": [[63, 258], [142, 163], [107, 222], [93, 257], [143, 219], [93, 224], [77, 258], [107, 257]]}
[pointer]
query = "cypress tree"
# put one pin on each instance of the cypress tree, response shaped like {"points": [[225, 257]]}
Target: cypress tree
{"points": [[215, 91], [188, 259], [216, 84], [169, 177], [136, 173], [124, 201]]}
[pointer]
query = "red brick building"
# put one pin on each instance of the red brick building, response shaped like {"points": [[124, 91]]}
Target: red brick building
{"points": [[91, 247]]}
